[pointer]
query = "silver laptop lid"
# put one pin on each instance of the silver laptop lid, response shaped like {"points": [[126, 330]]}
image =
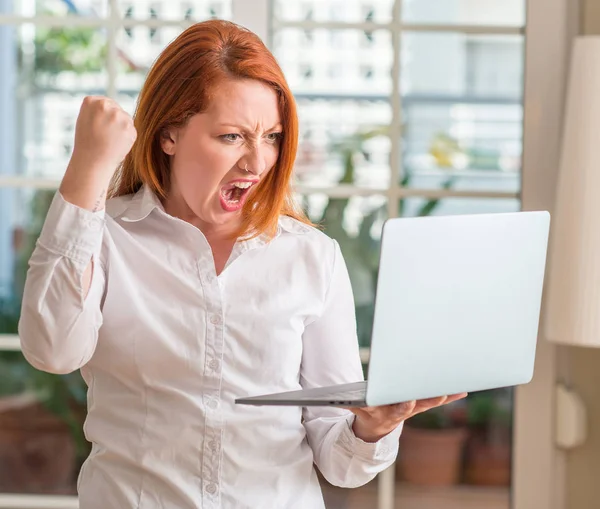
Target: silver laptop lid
{"points": [[458, 304]]}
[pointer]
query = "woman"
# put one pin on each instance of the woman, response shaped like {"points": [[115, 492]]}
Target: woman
{"points": [[198, 282]]}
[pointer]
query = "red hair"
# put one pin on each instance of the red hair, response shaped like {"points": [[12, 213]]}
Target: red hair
{"points": [[179, 85]]}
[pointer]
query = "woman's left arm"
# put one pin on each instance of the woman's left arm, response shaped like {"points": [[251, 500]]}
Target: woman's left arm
{"points": [[330, 357]]}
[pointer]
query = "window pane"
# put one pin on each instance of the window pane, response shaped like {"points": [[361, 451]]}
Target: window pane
{"points": [[481, 66], [356, 224], [465, 12], [45, 72], [464, 130], [343, 102], [411, 207], [379, 11], [177, 10], [88, 8], [336, 62], [138, 47], [343, 142]]}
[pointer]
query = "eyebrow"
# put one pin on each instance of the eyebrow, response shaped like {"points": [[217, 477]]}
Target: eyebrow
{"points": [[278, 126]]}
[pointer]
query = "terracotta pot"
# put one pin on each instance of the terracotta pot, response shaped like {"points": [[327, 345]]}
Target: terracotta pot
{"points": [[37, 452], [488, 462], [431, 457]]}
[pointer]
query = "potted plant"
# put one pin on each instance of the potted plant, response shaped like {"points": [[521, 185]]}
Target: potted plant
{"points": [[431, 448], [488, 451]]}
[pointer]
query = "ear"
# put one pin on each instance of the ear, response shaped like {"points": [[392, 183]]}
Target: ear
{"points": [[168, 141]]}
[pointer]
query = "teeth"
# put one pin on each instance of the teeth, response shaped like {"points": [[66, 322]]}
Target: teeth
{"points": [[242, 185]]}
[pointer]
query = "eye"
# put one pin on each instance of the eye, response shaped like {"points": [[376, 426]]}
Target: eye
{"points": [[231, 137], [274, 137]]}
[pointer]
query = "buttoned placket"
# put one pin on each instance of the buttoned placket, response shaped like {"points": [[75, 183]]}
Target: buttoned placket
{"points": [[211, 383], [212, 452]]}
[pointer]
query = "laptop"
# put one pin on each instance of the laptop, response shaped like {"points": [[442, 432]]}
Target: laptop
{"points": [[457, 310]]}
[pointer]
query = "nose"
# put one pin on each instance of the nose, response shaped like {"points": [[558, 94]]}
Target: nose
{"points": [[254, 162]]}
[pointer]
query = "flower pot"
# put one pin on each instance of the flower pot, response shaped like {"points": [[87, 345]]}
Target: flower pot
{"points": [[488, 461], [431, 457], [37, 452]]}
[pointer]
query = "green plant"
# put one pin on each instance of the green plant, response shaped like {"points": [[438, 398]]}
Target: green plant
{"points": [[69, 49], [487, 410], [59, 49]]}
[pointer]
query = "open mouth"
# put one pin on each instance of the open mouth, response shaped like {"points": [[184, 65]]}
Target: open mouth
{"points": [[234, 194]]}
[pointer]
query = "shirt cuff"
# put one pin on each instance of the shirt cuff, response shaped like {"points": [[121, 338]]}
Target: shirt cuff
{"points": [[71, 231], [382, 450]]}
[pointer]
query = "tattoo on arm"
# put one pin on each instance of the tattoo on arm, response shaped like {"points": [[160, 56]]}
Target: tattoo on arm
{"points": [[99, 201]]}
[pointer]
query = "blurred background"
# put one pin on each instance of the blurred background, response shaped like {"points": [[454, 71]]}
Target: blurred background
{"points": [[407, 108]]}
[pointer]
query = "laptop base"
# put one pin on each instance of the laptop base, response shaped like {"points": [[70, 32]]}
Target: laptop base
{"points": [[343, 395]]}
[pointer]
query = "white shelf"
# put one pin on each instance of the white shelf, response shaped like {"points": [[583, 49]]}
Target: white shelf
{"points": [[9, 342], [38, 502]]}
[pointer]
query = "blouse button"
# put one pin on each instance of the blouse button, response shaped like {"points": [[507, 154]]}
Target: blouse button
{"points": [[211, 488], [215, 320], [94, 224]]}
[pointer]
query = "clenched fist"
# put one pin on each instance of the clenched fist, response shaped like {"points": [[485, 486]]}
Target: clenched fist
{"points": [[104, 135]]}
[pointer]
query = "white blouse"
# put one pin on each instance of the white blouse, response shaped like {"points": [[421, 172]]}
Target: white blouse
{"points": [[165, 346]]}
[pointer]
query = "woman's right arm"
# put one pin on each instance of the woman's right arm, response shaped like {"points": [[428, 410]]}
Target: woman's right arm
{"points": [[60, 314]]}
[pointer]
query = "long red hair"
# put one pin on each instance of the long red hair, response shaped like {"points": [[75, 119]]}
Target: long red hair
{"points": [[179, 85]]}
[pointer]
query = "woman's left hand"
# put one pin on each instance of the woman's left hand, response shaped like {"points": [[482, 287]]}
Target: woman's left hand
{"points": [[373, 423]]}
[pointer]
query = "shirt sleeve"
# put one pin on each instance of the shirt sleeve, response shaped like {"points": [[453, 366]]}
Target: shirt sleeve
{"points": [[331, 356], [58, 327]]}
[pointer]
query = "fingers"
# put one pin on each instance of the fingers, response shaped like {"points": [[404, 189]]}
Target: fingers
{"points": [[404, 409], [456, 397], [429, 403], [395, 411], [443, 400], [409, 407], [440, 400]]}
